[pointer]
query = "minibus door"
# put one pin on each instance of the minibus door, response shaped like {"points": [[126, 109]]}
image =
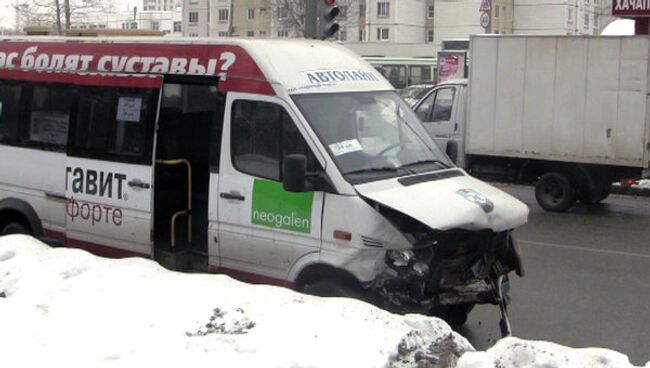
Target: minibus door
{"points": [[109, 164], [263, 229]]}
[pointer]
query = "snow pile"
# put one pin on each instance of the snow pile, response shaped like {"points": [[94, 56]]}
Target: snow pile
{"points": [[514, 352], [67, 307], [644, 183]]}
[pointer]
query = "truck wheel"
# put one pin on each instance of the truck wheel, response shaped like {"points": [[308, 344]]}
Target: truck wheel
{"points": [[14, 228], [554, 192]]}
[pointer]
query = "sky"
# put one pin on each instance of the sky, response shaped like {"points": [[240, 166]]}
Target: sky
{"points": [[7, 13], [62, 306]]}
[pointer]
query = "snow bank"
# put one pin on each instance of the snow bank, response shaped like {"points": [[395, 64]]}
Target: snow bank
{"points": [[68, 306], [514, 352], [65, 306]]}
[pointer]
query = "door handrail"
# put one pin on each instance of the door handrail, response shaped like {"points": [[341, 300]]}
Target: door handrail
{"points": [[188, 211]]}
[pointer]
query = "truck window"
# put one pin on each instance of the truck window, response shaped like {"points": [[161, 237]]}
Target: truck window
{"points": [[424, 109], [442, 105], [262, 134]]}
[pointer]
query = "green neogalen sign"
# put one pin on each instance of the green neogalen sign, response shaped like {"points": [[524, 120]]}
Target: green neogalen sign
{"points": [[274, 207]]}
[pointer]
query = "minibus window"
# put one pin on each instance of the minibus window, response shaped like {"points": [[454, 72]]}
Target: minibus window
{"points": [[9, 113], [371, 135], [49, 117], [262, 133], [115, 124]]}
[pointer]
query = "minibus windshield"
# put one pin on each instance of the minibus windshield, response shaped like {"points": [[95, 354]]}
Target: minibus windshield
{"points": [[371, 135]]}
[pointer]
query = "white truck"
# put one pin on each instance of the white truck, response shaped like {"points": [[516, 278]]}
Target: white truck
{"points": [[568, 114]]}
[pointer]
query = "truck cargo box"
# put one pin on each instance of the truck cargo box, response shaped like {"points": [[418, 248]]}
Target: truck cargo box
{"points": [[562, 98]]}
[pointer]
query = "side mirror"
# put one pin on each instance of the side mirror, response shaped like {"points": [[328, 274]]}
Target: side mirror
{"points": [[294, 169]]}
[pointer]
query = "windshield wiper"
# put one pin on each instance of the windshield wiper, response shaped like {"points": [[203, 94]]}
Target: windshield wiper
{"points": [[428, 161], [372, 170]]}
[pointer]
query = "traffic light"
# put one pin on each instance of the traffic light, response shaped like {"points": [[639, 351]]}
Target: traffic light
{"points": [[327, 20]]}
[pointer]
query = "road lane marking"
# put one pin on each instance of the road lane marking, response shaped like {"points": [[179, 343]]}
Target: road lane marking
{"points": [[577, 247]]}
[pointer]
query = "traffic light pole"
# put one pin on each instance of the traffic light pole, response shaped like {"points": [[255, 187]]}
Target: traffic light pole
{"points": [[311, 19]]}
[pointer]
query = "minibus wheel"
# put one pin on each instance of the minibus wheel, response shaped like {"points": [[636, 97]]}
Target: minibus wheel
{"points": [[454, 315], [14, 228], [333, 288]]}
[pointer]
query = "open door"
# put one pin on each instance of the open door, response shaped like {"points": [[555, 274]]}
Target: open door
{"points": [[436, 113], [110, 164], [189, 136]]}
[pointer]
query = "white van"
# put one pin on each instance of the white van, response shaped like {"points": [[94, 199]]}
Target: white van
{"points": [[286, 162]]}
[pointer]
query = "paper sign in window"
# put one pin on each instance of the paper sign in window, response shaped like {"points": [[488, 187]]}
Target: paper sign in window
{"points": [[49, 127], [129, 108], [343, 147]]}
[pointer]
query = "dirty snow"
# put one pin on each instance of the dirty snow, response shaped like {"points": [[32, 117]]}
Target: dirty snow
{"points": [[67, 307]]}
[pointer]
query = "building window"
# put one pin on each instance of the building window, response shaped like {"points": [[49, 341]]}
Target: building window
{"points": [[283, 12], [596, 21], [155, 25], [383, 9], [194, 17], [429, 35], [130, 25], [496, 12], [586, 25], [283, 34], [362, 10], [250, 34], [342, 35], [569, 14], [222, 34], [362, 35], [223, 15], [382, 34], [262, 33], [430, 12], [250, 15], [177, 27]]}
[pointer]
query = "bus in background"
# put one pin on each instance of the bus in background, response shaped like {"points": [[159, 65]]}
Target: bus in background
{"points": [[404, 72]]}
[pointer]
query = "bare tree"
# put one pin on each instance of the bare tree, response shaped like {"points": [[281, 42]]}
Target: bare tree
{"points": [[289, 15], [61, 14]]}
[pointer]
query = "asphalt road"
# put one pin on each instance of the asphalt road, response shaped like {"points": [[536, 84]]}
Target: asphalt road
{"points": [[587, 281]]}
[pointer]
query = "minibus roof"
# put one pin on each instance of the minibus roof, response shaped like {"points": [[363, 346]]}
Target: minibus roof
{"points": [[267, 66]]}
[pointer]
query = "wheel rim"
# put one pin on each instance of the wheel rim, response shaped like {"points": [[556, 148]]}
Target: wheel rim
{"points": [[553, 193]]}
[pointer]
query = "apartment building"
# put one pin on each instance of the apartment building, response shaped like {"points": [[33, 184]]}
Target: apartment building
{"points": [[169, 22], [161, 5], [252, 18], [561, 17], [396, 21]]}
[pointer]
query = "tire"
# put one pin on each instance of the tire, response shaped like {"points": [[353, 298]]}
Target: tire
{"points": [[333, 289], [555, 192], [454, 315], [14, 228], [596, 196]]}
